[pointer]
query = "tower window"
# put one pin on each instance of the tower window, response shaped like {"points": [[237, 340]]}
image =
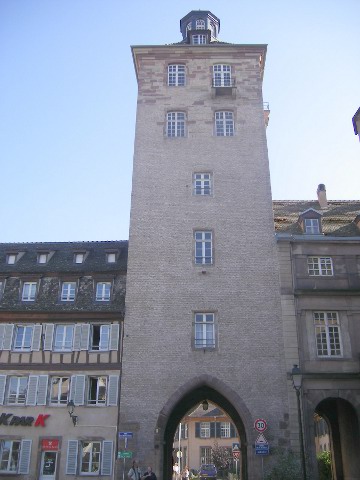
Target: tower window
{"points": [[189, 26], [224, 124], [176, 75], [200, 24], [222, 76], [203, 248], [204, 330], [175, 126], [198, 39], [202, 183]]}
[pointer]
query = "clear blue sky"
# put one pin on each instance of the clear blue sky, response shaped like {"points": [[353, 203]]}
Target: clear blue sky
{"points": [[68, 102]]}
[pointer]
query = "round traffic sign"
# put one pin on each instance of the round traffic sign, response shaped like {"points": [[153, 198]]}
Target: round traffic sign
{"points": [[260, 425]]}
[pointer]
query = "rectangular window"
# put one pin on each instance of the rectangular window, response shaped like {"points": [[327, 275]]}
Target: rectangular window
{"points": [[43, 257], [29, 292], [312, 225], [11, 258], [90, 457], [103, 291], [320, 266], [176, 75], [79, 257], [204, 330], [225, 429], [205, 455], [222, 75], [9, 456], [23, 338], [205, 430], [224, 124], [1, 288], [17, 390], [175, 125], [111, 257], [59, 390], [68, 291], [63, 337], [198, 39], [203, 248], [97, 390], [327, 332], [100, 336], [202, 183]]}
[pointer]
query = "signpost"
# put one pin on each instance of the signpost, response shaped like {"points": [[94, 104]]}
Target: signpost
{"points": [[125, 453], [260, 425], [236, 456]]}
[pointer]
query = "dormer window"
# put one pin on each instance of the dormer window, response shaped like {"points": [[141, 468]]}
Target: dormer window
{"points": [[111, 257], [199, 39], [312, 225], [200, 24], [79, 257], [11, 258], [43, 258]]}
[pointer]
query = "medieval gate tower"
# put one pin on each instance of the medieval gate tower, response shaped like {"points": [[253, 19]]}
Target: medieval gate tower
{"points": [[203, 314]]}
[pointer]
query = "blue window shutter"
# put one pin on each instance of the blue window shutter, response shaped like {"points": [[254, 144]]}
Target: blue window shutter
{"points": [[42, 390], [232, 430], [2, 388], [114, 336], [197, 429], [212, 429], [107, 457], [218, 429], [112, 390], [36, 337], [71, 457], [32, 390], [25, 454]]}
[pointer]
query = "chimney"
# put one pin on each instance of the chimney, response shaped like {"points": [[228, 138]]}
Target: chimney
{"points": [[321, 193]]}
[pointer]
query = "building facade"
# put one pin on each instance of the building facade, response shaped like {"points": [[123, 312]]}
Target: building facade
{"points": [[203, 317], [61, 317]]}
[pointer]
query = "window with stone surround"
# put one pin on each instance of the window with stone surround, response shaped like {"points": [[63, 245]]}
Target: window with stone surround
{"points": [[203, 247], [204, 336], [320, 266], [202, 183], [221, 75], [176, 75], [327, 334], [175, 124], [224, 124]]}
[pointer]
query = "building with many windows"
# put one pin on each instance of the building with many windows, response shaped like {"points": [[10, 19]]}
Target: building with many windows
{"points": [[61, 318]]}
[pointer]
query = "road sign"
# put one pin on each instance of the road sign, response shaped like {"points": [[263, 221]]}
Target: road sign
{"points": [[125, 435], [261, 445], [125, 454], [179, 454], [236, 454], [260, 425], [235, 446]]}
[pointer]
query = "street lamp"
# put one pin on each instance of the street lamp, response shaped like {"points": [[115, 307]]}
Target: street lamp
{"points": [[71, 408], [296, 378]]}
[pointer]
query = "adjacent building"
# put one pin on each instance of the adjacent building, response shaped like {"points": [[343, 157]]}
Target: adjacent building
{"points": [[61, 324]]}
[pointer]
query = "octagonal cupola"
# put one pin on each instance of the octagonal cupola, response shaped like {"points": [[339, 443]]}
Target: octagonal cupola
{"points": [[199, 27]]}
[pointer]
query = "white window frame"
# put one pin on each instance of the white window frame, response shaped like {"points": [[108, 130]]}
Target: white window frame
{"points": [[56, 399], [111, 257], [43, 258], [199, 39], [19, 384], [202, 184], [104, 337], [176, 75], [204, 330], [25, 344], [29, 290], [204, 429], [327, 334], [10, 456], [101, 381], [205, 455], [200, 24], [90, 446], [175, 124], [203, 247], [11, 258], [2, 284], [68, 291], [312, 226], [320, 266], [79, 257], [103, 291], [225, 430], [224, 123], [62, 342], [222, 75]]}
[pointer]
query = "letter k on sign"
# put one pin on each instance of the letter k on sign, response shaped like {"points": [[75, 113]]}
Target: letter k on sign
{"points": [[40, 421]]}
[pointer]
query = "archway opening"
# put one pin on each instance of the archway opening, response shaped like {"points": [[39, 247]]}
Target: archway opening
{"points": [[340, 437], [187, 404]]}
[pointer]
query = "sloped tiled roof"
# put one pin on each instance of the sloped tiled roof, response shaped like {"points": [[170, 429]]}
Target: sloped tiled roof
{"points": [[337, 219]]}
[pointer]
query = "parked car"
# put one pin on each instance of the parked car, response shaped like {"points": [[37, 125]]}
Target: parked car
{"points": [[207, 471]]}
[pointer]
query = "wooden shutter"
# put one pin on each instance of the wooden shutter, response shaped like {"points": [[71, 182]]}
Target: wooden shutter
{"points": [[8, 336], [212, 429], [25, 455], [218, 429], [71, 457], [84, 338], [197, 429], [32, 390], [107, 456], [49, 336], [77, 389], [77, 336], [36, 337], [114, 336], [2, 332], [2, 388], [42, 390], [232, 430], [112, 390]]}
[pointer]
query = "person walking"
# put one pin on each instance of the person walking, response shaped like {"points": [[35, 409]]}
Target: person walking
{"points": [[149, 475], [134, 473]]}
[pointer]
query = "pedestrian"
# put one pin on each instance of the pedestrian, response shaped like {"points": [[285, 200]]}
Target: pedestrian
{"points": [[134, 472], [185, 473], [176, 470], [149, 475]]}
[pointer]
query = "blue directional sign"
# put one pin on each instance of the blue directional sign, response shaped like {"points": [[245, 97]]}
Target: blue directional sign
{"points": [[125, 434], [261, 449]]}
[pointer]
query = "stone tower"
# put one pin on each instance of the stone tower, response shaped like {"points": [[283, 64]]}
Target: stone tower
{"points": [[202, 305]]}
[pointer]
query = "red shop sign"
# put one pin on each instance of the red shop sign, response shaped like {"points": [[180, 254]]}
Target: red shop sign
{"points": [[49, 444]]}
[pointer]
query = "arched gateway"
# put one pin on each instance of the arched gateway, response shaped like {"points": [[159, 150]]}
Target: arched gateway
{"points": [[203, 312]]}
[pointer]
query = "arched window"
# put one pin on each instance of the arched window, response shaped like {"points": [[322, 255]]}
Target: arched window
{"points": [[200, 24]]}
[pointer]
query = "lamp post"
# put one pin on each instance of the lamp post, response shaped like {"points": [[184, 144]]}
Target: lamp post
{"points": [[296, 381], [71, 408]]}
